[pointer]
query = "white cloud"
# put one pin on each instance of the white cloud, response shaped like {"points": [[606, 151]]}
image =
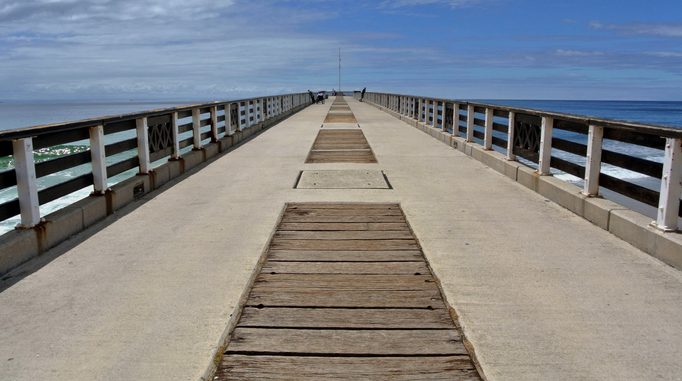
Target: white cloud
{"points": [[577, 53], [413, 3], [643, 29]]}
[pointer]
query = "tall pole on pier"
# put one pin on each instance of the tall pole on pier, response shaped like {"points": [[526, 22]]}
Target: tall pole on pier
{"points": [[339, 69]]}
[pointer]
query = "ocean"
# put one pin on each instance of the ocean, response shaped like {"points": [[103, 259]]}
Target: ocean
{"points": [[14, 115]]}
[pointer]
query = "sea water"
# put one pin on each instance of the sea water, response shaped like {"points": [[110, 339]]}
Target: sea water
{"points": [[14, 115]]}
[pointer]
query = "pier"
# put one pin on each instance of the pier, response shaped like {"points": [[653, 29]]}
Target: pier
{"points": [[365, 240]]}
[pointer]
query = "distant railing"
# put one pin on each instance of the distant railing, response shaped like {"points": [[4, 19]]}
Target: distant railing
{"points": [[528, 133], [132, 141]]}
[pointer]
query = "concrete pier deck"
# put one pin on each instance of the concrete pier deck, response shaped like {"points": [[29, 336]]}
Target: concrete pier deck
{"points": [[151, 293]]}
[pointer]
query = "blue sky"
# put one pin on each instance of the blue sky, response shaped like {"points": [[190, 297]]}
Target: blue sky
{"points": [[464, 49]]}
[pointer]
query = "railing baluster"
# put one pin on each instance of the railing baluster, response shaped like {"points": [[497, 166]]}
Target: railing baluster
{"points": [[511, 136], [470, 123], [196, 128], [143, 144], [545, 145], [455, 119], [27, 189], [488, 138], [671, 186], [247, 114], [176, 136], [98, 159], [593, 160]]}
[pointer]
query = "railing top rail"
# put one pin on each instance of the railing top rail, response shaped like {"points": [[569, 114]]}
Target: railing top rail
{"points": [[65, 126], [645, 128]]}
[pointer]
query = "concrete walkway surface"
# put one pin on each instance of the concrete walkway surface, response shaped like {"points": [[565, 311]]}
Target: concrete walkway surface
{"points": [[541, 294]]}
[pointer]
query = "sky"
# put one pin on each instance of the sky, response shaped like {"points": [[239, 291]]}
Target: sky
{"points": [[461, 49]]}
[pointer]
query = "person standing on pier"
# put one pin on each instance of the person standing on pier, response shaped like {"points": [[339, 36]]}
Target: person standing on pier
{"points": [[312, 97], [362, 95]]}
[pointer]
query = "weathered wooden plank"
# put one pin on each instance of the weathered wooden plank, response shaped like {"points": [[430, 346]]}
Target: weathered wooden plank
{"points": [[341, 219], [304, 244], [340, 146], [346, 256], [341, 153], [343, 282], [339, 318], [330, 157], [345, 299], [345, 342], [331, 118], [336, 235], [304, 226], [337, 205], [303, 211], [346, 131], [239, 367], [383, 268]]}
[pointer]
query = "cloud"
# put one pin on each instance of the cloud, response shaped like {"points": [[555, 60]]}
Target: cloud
{"points": [[643, 29], [414, 3], [120, 10], [577, 53]]}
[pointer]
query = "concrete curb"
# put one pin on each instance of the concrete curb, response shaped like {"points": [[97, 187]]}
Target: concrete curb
{"points": [[19, 246], [624, 223]]}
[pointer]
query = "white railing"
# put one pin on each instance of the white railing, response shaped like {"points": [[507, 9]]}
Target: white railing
{"points": [[530, 135]]}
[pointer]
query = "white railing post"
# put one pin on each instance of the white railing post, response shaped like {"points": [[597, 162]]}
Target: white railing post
{"points": [[545, 146], [247, 114], [98, 159], [27, 188], [214, 123], [239, 117], [255, 111], [442, 123], [510, 136], [593, 161], [455, 119], [671, 186], [425, 116], [470, 123], [488, 138], [176, 137], [143, 145], [196, 128]]}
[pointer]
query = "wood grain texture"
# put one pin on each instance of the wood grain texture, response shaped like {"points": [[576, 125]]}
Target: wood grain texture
{"points": [[353, 235], [345, 293], [343, 299], [346, 256], [360, 157], [340, 219], [344, 282], [302, 211], [346, 318], [344, 205], [332, 118], [305, 244], [347, 227], [345, 342], [238, 367], [356, 268]]}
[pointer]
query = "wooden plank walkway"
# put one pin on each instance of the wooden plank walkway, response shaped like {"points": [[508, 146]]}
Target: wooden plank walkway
{"points": [[340, 112], [345, 293], [340, 145]]}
